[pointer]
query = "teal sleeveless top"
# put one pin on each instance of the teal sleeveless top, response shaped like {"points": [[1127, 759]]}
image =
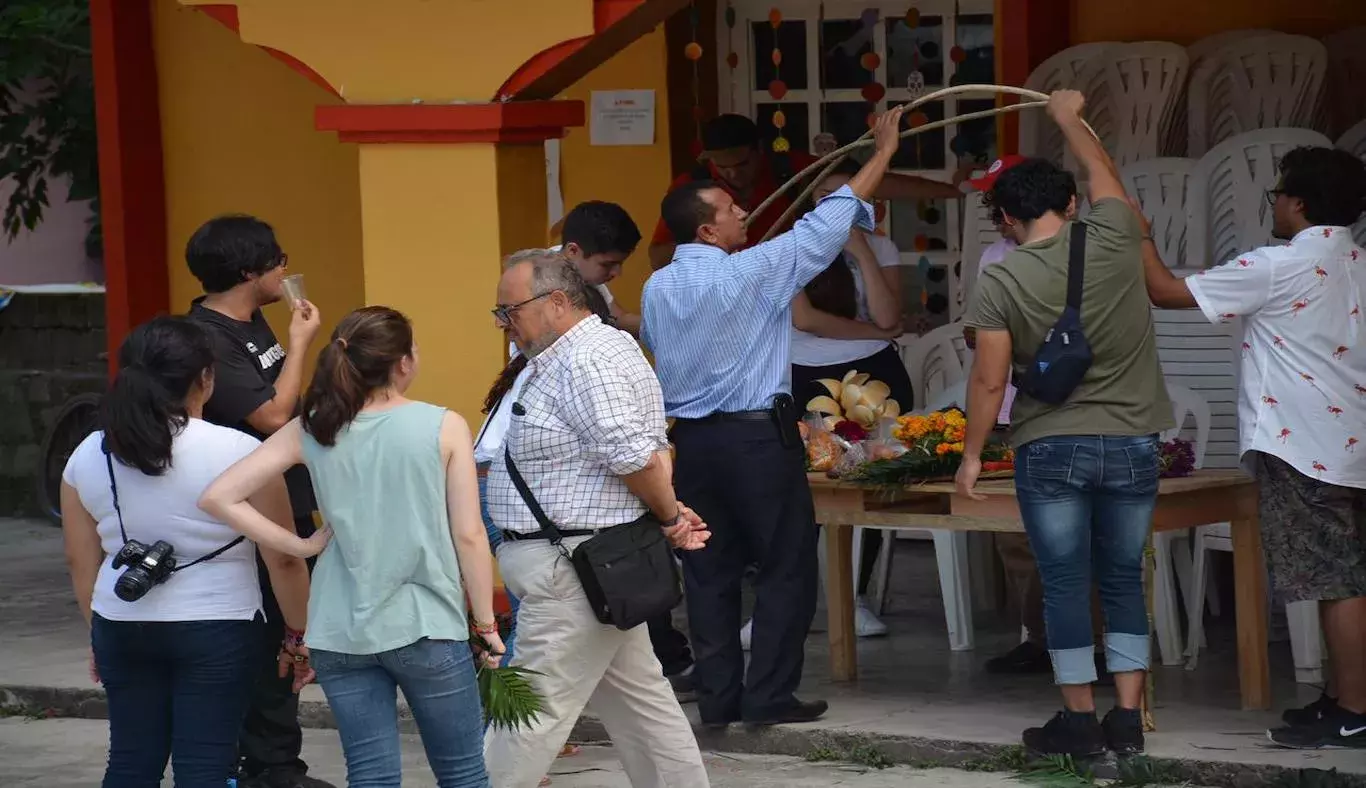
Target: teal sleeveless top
{"points": [[390, 576]]}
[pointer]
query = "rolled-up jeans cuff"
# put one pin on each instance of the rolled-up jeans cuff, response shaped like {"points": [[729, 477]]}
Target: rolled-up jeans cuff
{"points": [[1074, 665], [1125, 653]]}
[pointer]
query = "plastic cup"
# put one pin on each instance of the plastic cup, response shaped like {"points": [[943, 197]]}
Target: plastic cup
{"points": [[293, 286]]}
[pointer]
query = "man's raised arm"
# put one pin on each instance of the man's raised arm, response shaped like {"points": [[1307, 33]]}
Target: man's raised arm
{"points": [[1102, 177]]}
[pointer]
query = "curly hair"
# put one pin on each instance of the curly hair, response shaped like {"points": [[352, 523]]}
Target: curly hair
{"points": [[1331, 183], [1033, 188]]}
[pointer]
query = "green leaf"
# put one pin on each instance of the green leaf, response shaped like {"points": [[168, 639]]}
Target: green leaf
{"points": [[510, 700]]}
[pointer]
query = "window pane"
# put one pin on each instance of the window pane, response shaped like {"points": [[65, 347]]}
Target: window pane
{"points": [[791, 41], [798, 128], [844, 42], [847, 120], [911, 49], [975, 139], [920, 225], [977, 37], [924, 292], [923, 151]]}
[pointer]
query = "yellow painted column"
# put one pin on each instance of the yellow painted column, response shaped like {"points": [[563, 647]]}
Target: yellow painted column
{"points": [[446, 193]]}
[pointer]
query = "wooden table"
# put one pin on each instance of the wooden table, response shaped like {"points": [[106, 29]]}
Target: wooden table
{"points": [[1203, 498]]}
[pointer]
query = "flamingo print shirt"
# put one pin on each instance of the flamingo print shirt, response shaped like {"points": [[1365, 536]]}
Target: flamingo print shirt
{"points": [[1303, 366]]}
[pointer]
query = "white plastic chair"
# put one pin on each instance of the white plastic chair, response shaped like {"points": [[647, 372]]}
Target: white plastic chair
{"points": [[1344, 99], [1131, 93], [1179, 135], [1257, 82], [1226, 208], [1160, 186], [978, 234], [1039, 135], [1354, 141]]}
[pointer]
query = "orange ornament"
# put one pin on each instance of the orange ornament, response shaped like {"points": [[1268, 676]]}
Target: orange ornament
{"points": [[916, 119], [958, 54], [777, 89], [733, 60], [775, 17], [693, 51], [922, 242], [779, 119], [873, 92], [913, 17], [872, 118], [870, 61], [777, 56]]}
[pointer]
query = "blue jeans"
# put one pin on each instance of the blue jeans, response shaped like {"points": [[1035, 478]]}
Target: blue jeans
{"points": [[1087, 503], [176, 690], [437, 679], [495, 539]]}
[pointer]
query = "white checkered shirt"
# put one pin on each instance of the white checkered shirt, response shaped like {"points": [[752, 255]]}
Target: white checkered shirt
{"points": [[591, 412]]}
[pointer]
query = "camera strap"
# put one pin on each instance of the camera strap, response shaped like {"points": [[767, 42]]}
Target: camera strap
{"points": [[114, 488]]}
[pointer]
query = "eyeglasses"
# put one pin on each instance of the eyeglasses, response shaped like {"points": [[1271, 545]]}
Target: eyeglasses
{"points": [[280, 262], [1272, 194], [503, 312]]}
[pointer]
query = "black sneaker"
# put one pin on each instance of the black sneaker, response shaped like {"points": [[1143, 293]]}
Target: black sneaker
{"points": [[1310, 714], [799, 711], [1123, 730], [1028, 657], [284, 778], [1074, 733], [1336, 727]]}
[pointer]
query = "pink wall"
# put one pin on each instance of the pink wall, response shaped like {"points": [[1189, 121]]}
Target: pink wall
{"points": [[54, 253]]}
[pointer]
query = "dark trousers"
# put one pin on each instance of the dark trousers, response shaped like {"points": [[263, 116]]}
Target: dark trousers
{"points": [[176, 690], [271, 736], [670, 645], [752, 492], [884, 365]]}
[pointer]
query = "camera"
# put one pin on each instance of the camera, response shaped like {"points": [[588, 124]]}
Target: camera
{"points": [[147, 567]]}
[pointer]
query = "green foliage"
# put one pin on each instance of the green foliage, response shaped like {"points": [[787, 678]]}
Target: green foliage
{"points": [[509, 699], [47, 109], [1057, 771]]}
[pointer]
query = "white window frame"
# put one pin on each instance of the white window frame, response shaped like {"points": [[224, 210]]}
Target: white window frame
{"points": [[735, 93]]}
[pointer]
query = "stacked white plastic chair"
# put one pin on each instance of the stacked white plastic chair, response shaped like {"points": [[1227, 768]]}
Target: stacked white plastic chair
{"points": [[1345, 96], [978, 234], [1172, 549], [1039, 135], [1132, 93], [1196, 55], [1354, 141], [1257, 82], [1226, 207], [1160, 186]]}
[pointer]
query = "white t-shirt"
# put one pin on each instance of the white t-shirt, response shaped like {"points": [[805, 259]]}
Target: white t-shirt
{"points": [[1303, 372], [166, 507], [809, 350]]}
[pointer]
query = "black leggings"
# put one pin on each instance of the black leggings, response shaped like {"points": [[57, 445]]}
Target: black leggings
{"points": [[884, 365]]}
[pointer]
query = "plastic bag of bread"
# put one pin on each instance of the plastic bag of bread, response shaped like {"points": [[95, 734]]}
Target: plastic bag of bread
{"points": [[823, 450]]}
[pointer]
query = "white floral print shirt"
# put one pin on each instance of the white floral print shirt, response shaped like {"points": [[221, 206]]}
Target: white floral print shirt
{"points": [[1303, 387]]}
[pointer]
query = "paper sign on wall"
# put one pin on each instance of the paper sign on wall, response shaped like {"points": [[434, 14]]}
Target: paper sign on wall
{"points": [[622, 117]]}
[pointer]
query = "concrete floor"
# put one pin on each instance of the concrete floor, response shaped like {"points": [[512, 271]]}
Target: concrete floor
{"points": [[71, 754], [911, 687]]}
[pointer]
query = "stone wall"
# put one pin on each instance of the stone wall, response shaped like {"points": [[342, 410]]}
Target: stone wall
{"points": [[51, 349]]}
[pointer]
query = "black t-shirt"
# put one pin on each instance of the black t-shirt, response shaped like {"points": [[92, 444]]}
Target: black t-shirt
{"points": [[247, 362]]}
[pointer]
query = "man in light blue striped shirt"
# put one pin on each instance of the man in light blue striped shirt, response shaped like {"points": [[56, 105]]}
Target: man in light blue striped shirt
{"points": [[719, 324]]}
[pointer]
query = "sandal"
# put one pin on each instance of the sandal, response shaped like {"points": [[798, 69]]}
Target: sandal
{"points": [[569, 751]]}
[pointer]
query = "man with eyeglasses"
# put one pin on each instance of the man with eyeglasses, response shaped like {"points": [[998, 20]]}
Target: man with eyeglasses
{"points": [[257, 384], [1300, 412]]}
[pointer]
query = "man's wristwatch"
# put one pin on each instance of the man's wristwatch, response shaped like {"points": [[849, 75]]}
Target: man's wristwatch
{"points": [[672, 521]]}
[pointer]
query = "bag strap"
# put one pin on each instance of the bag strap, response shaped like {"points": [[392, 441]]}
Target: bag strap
{"points": [[1076, 266], [114, 488], [548, 526]]}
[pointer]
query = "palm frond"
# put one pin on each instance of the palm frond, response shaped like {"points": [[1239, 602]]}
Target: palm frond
{"points": [[509, 699]]}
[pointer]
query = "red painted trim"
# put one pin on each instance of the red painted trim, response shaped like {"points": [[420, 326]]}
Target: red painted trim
{"points": [[1028, 33], [538, 66], [132, 187], [226, 15], [512, 121]]}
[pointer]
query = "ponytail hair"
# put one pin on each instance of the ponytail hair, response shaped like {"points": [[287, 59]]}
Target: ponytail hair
{"points": [[160, 363], [359, 360]]}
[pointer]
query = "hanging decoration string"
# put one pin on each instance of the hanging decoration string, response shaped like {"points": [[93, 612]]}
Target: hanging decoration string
{"points": [[693, 52], [777, 88], [732, 58], [827, 163]]}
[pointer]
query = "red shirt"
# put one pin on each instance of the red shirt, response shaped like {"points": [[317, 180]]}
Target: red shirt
{"points": [[764, 186]]}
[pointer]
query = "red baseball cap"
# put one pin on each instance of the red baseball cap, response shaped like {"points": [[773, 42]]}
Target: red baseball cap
{"points": [[986, 182]]}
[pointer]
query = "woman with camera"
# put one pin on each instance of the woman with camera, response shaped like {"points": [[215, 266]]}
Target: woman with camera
{"points": [[170, 593], [396, 485]]}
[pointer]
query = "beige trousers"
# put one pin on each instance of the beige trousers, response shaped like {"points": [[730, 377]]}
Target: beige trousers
{"points": [[583, 662]]}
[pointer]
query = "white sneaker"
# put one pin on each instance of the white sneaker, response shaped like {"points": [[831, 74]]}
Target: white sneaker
{"points": [[745, 633], [867, 625]]}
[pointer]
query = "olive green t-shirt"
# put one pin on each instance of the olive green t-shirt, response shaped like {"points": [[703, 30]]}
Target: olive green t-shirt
{"points": [[1123, 392]]}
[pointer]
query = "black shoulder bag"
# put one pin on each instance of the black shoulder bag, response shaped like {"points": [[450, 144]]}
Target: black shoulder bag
{"points": [[627, 571], [1061, 362]]}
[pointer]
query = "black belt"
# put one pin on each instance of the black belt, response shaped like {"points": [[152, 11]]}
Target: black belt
{"points": [[737, 415], [526, 536]]}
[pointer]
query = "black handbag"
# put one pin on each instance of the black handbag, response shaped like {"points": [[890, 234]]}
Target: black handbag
{"points": [[1065, 355], [627, 571]]}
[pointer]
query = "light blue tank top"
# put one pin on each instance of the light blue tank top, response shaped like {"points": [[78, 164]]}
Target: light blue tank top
{"points": [[390, 575]]}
